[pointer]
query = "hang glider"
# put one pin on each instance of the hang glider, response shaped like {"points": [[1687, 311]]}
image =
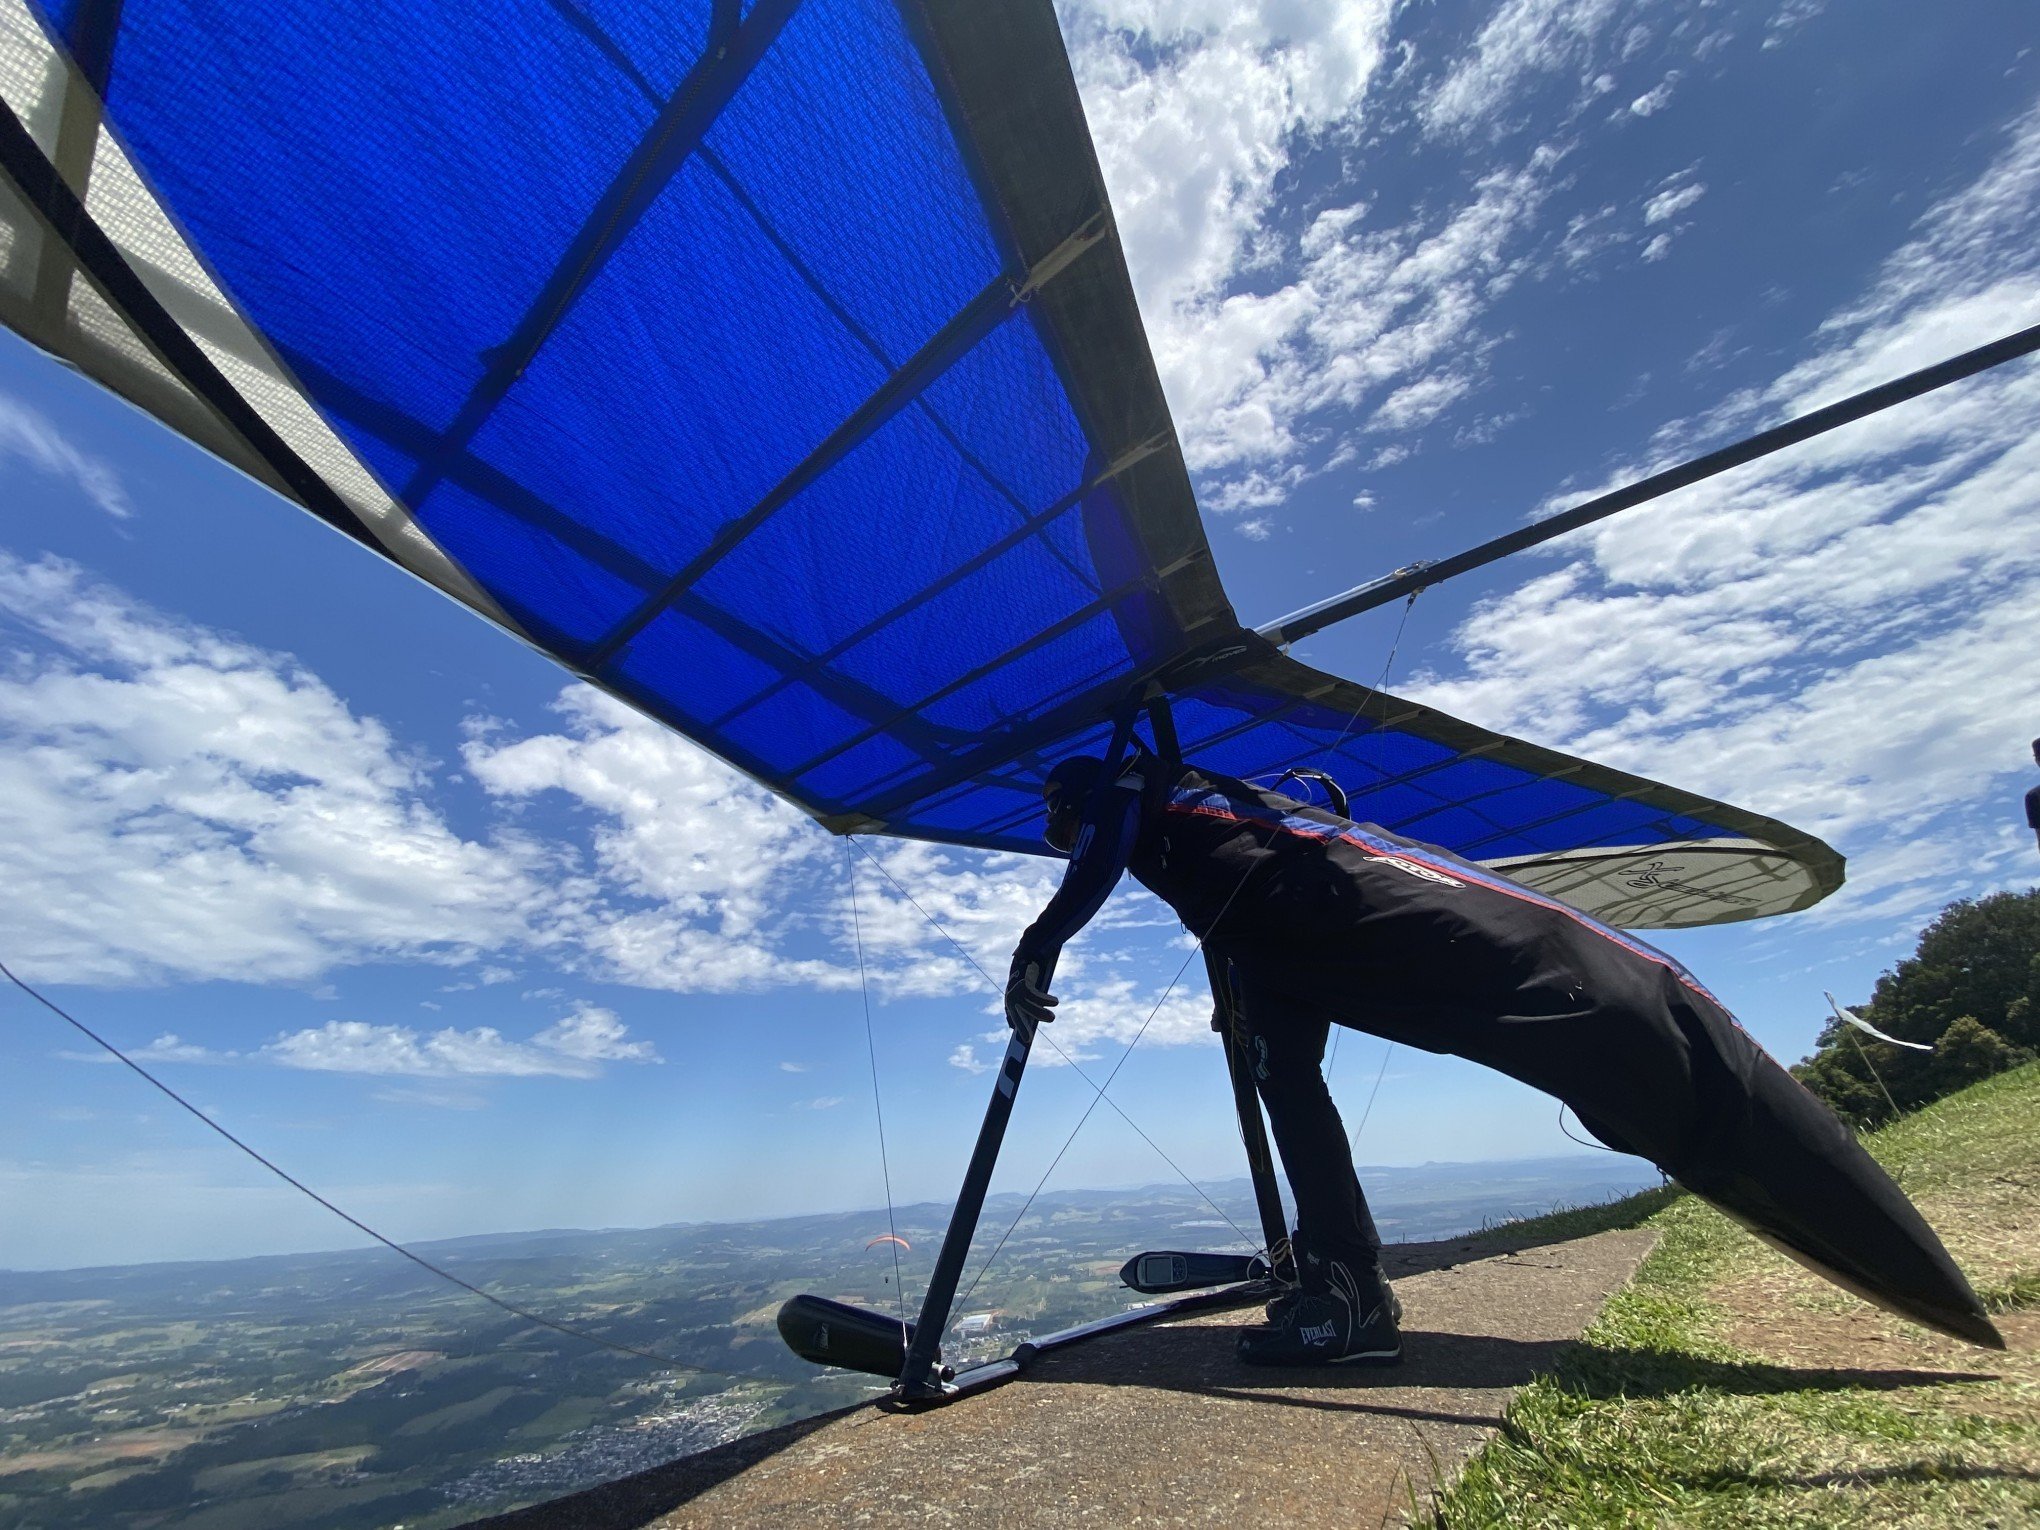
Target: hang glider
{"points": [[773, 367]]}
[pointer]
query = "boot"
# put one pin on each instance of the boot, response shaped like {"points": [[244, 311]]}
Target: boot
{"points": [[1343, 1312]]}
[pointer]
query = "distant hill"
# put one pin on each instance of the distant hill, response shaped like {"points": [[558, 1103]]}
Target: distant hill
{"points": [[1412, 1201]]}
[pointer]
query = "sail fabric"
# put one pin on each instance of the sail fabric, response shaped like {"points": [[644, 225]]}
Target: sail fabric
{"points": [[774, 366]]}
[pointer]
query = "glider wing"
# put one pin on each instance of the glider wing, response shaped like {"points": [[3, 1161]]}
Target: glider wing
{"points": [[772, 365]]}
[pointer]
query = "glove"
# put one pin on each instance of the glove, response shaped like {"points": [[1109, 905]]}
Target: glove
{"points": [[1028, 1001]]}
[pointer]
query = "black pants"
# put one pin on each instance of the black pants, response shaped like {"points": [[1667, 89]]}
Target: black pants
{"points": [[1286, 1050]]}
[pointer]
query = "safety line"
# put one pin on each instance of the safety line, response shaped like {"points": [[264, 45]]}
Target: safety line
{"points": [[877, 1106], [353, 1221], [1075, 1067], [1562, 1108]]}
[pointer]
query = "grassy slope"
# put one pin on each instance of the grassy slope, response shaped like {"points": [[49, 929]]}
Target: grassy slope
{"points": [[1726, 1386]]}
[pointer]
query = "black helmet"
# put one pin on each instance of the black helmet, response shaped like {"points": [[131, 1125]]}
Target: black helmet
{"points": [[1066, 791]]}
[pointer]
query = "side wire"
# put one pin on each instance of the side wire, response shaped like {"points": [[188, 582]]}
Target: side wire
{"points": [[1379, 1074], [1019, 1216], [999, 988], [877, 1105], [1195, 951], [353, 1221], [1387, 664]]}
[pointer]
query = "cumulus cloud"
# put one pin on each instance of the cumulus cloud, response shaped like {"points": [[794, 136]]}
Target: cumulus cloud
{"points": [[1382, 321], [574, 1047], [697, 873], [29, 438], [1788, 18], [1193, 107], [1114, 1011], [175, 804]]}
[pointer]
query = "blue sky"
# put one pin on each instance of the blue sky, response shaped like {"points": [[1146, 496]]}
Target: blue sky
{"points": [[471, 949]]}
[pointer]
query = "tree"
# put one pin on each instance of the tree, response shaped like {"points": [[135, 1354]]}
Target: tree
{"points": [[1971, 990]]}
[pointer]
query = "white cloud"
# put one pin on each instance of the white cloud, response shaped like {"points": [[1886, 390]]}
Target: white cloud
{"points": [[1790, 16], [793, 1067], [982, 902], [593, 1034], [1416, 404], [1658, 248], [1115, 1011], [28, 437], [1273, 316], [1253, 491], [1840, 635], [1668, 204], [574, 1047], [697, 872], [1655, 100], [1523, 39], [1193, 106], [1386, 321], [177, 804], [168, 1047]]}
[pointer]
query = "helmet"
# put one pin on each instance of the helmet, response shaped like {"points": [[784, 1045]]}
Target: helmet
{"points": [[1065, 792]]}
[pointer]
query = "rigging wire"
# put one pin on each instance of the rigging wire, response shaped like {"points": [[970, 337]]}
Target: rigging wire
{"points": [[991, 1258], [878, 1108], [1379, 1074], [353, 1221], [1387, 664], [1195, 950], [1075, 1067], [1864, 1053]]}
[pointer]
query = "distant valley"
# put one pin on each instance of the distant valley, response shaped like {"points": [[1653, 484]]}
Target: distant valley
{"points": [[351, 1389]]}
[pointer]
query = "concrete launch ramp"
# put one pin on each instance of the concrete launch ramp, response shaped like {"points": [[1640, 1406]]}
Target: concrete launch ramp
{"points": [[1161, 1425]]}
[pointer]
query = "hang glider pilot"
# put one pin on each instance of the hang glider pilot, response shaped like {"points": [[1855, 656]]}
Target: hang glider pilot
{"points": [[1327, 921], [1160, 825]]}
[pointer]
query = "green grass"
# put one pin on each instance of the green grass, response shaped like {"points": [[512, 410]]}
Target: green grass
{"points": [[1726, 1387]]}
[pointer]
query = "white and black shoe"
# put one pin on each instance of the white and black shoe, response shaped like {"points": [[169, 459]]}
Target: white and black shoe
{"points": [[1282, 1271], [1343, 1313]]}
